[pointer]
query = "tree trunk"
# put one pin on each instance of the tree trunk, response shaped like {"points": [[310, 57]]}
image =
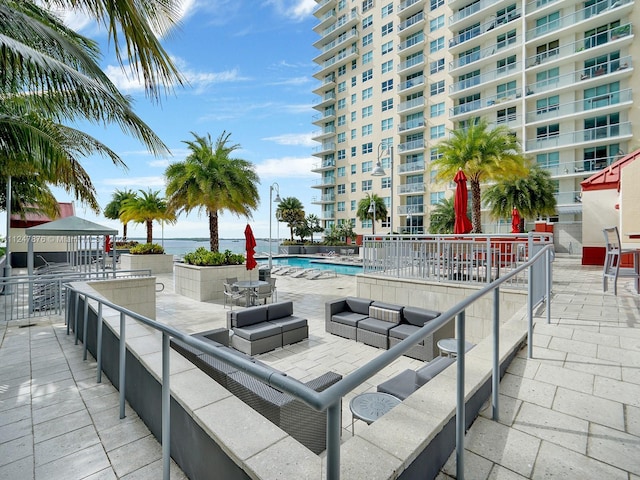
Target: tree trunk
{"points": [[149, 231], [214, 242], [124, 232], [476, 218]]}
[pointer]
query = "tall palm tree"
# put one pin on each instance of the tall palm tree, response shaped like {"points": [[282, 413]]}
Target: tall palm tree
{"points": [[380, 208], [533, 196], [291, 211], [443, 217], [145, 208], [210, 179], [483, 154], [114, 207]]}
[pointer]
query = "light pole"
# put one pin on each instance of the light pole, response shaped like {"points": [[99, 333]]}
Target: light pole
{"points": [[7, 265], [276, 187], [372, 209], [409, 219], [379, 172]]}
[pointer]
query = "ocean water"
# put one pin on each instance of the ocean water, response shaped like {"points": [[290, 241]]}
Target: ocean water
{"points": [[180, 246]]}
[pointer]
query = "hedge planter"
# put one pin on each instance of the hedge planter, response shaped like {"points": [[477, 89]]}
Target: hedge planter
{"points": [[206, 283], [157, 263]]}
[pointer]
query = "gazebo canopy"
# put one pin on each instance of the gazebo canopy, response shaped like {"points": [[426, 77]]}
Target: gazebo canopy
{"points": [[70, 226]]}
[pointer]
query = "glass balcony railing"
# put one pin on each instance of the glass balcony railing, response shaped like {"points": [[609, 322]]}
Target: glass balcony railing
{"points": [[411, 21], [573, 78], [407, 4], [470, 10], [342, 21], [414, 144], [416, 40], [599, 101], [325, 131], [411, 167], [410, 104], [412, 82], [589, 135], [326, 146], [412, 62], [413, 209], [573, 18], [492, 75], [353, 34], [487, 102], [537, 4], [580, 167], [324, 164], [324, 115], [568, 198], [411, 124], [484, 28], [411, 188], [483, 53]]}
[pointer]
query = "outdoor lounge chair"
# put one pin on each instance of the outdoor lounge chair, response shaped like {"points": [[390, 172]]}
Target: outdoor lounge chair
{"points": [[303, 272], [321, 273], [232, 295]]}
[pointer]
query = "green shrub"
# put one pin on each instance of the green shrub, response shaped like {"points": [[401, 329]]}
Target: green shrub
{"points": [[147, 249], [127, 244], [203, 257]]}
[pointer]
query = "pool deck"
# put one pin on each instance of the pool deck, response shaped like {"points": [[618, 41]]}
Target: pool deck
{"points": [[572, 411]]}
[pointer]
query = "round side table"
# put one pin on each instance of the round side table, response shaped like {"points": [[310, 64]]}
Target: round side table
{"points": [[449, 346], [370, 406]]}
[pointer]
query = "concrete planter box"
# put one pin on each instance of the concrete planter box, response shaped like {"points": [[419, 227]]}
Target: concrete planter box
{"points": [[206, 283], [157, 263]]}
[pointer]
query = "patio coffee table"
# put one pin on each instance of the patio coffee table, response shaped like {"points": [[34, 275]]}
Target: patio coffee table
{"points": [[370, 406], [449, 346]]}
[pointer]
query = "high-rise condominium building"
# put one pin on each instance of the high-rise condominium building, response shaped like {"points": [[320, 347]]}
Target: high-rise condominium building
{"points": [[396, 77]]}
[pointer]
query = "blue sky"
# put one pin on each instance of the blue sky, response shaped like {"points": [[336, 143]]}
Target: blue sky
{"points": [[249, 66]]}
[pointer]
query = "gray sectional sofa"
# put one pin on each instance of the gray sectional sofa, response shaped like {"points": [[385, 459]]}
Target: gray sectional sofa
{"points": [[299, 420], [384, 325], [265, 327]]}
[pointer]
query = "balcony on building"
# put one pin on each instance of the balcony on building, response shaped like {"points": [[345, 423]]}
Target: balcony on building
{"points": [[410, 167], [584, 77], [585, 18], [324, 199], [412, 44], [583, 48], [325, 99], [412, 24], [330, 49], [580, 168], [324, 148], [493, 102], [411, 85], [324, 20], [411, 125], [324, 165], [324, 116], [408, 147], [413, 64], [324, 182], [502, 74], [572, 198], [343, 23], [411, 106], [326, 83], [598, 105], [492, 26], [328, 215], [415, 209], [343, 57], [469, 10], [411, 188], [617, 132], [485, 56], [327, 131], [409, 7]]}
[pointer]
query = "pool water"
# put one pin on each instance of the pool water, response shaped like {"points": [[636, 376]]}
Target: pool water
{"points": [[305, 262]]}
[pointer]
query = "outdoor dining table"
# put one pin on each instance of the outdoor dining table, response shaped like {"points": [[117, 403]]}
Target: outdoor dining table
{"points": [[248, 286]]}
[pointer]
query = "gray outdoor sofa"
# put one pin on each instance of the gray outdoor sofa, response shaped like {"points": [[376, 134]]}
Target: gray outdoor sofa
{"points": [[384, 325], [306, 425], [265, 327]]}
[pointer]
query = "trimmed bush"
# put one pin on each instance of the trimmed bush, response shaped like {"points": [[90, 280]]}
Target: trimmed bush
{"points": [[203, 257], [147, 249]]}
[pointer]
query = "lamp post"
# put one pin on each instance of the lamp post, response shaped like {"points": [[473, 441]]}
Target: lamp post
{"points": [[372, 209], [410, 220], [379, 172], [276, 187], [7, 265]]}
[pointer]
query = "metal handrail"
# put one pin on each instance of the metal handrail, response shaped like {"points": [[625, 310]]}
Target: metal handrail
{"points": [[329, 399]]}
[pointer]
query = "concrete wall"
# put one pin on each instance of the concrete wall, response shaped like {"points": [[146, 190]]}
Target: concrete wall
{"points": [[441, 297], [156, 263], [599, 211], [136, 294], [630, 204], [206, 283]]}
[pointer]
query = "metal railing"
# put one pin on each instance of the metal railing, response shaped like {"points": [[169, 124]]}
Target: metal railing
{"points": [[331, 398], [27, 296]]}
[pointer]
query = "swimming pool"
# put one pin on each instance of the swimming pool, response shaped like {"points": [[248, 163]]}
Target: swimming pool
{"points": [[305, 262]]}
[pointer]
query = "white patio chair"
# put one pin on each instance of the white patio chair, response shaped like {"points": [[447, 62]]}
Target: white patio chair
{"points": [[612, 259], [231, 295]]}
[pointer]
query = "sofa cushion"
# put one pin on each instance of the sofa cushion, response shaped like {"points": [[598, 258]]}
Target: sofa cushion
{"points": [[403, 330], [433, 368], [348, 318], [279, 310], [375, 325], [418, 316], [258, 331], [400, 386], [289, 323], [358, 305], [385, 314], [249, 316], [388, 306]]}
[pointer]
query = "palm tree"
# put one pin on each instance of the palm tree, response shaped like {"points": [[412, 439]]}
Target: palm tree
{"points": [[30, 194], [114, 207], [290, 211], [145, 208], [483, 154], [443, 217], [380, 210], [210, 179], [533, 196]]}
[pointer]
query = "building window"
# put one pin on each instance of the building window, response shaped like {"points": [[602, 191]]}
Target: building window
{"points": [[506, 115], [505, 64], [342, 70], [437, 87], [366, 58], [387, 124], [367, 130], [342, 120], [367, 93], [387, 10], [367, 75], [435, 45], [342, 154], [342, 171], [549, 104], [353, 116], [367, 148], [437, 110], [353, 205], [353, 134], [354, 98], [366, 5], [367, 185], [342, 103], [548, 77], [385, 182], [387, 66], [547, 50], [342, 86], [387, 104], [367, 39], [436, 23], [436, 197], [354, 151], [342, 189], [353, 187], [505, 90], [506, 39], [353, 168], [548, 160], [387, 28], [436, 132], [367, 166], [367, 21], [367, 111], [387, 47], [342, 137], [354, 63], [602, 126], [548, 131], [547, 23], [354, 80], [387, 85], [341, 206], [435, 4], [602, 96], [434, 154], [436, 66]]}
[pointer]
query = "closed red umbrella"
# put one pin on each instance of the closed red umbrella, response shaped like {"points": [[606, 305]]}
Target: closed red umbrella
{"points": [[462, 224], [515, 221], [250, 245]]}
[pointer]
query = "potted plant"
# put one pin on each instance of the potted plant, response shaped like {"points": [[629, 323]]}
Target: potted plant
{"points": [[147, 256]]}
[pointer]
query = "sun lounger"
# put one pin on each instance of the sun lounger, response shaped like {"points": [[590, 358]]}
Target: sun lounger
{"points": [[321, 273], [303, 272]]}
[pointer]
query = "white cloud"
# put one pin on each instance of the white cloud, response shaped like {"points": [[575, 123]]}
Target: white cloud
{"points": [[287, 167], [298, 139], [292, 81], [158, 163], [294, 9], [135, 182]]}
